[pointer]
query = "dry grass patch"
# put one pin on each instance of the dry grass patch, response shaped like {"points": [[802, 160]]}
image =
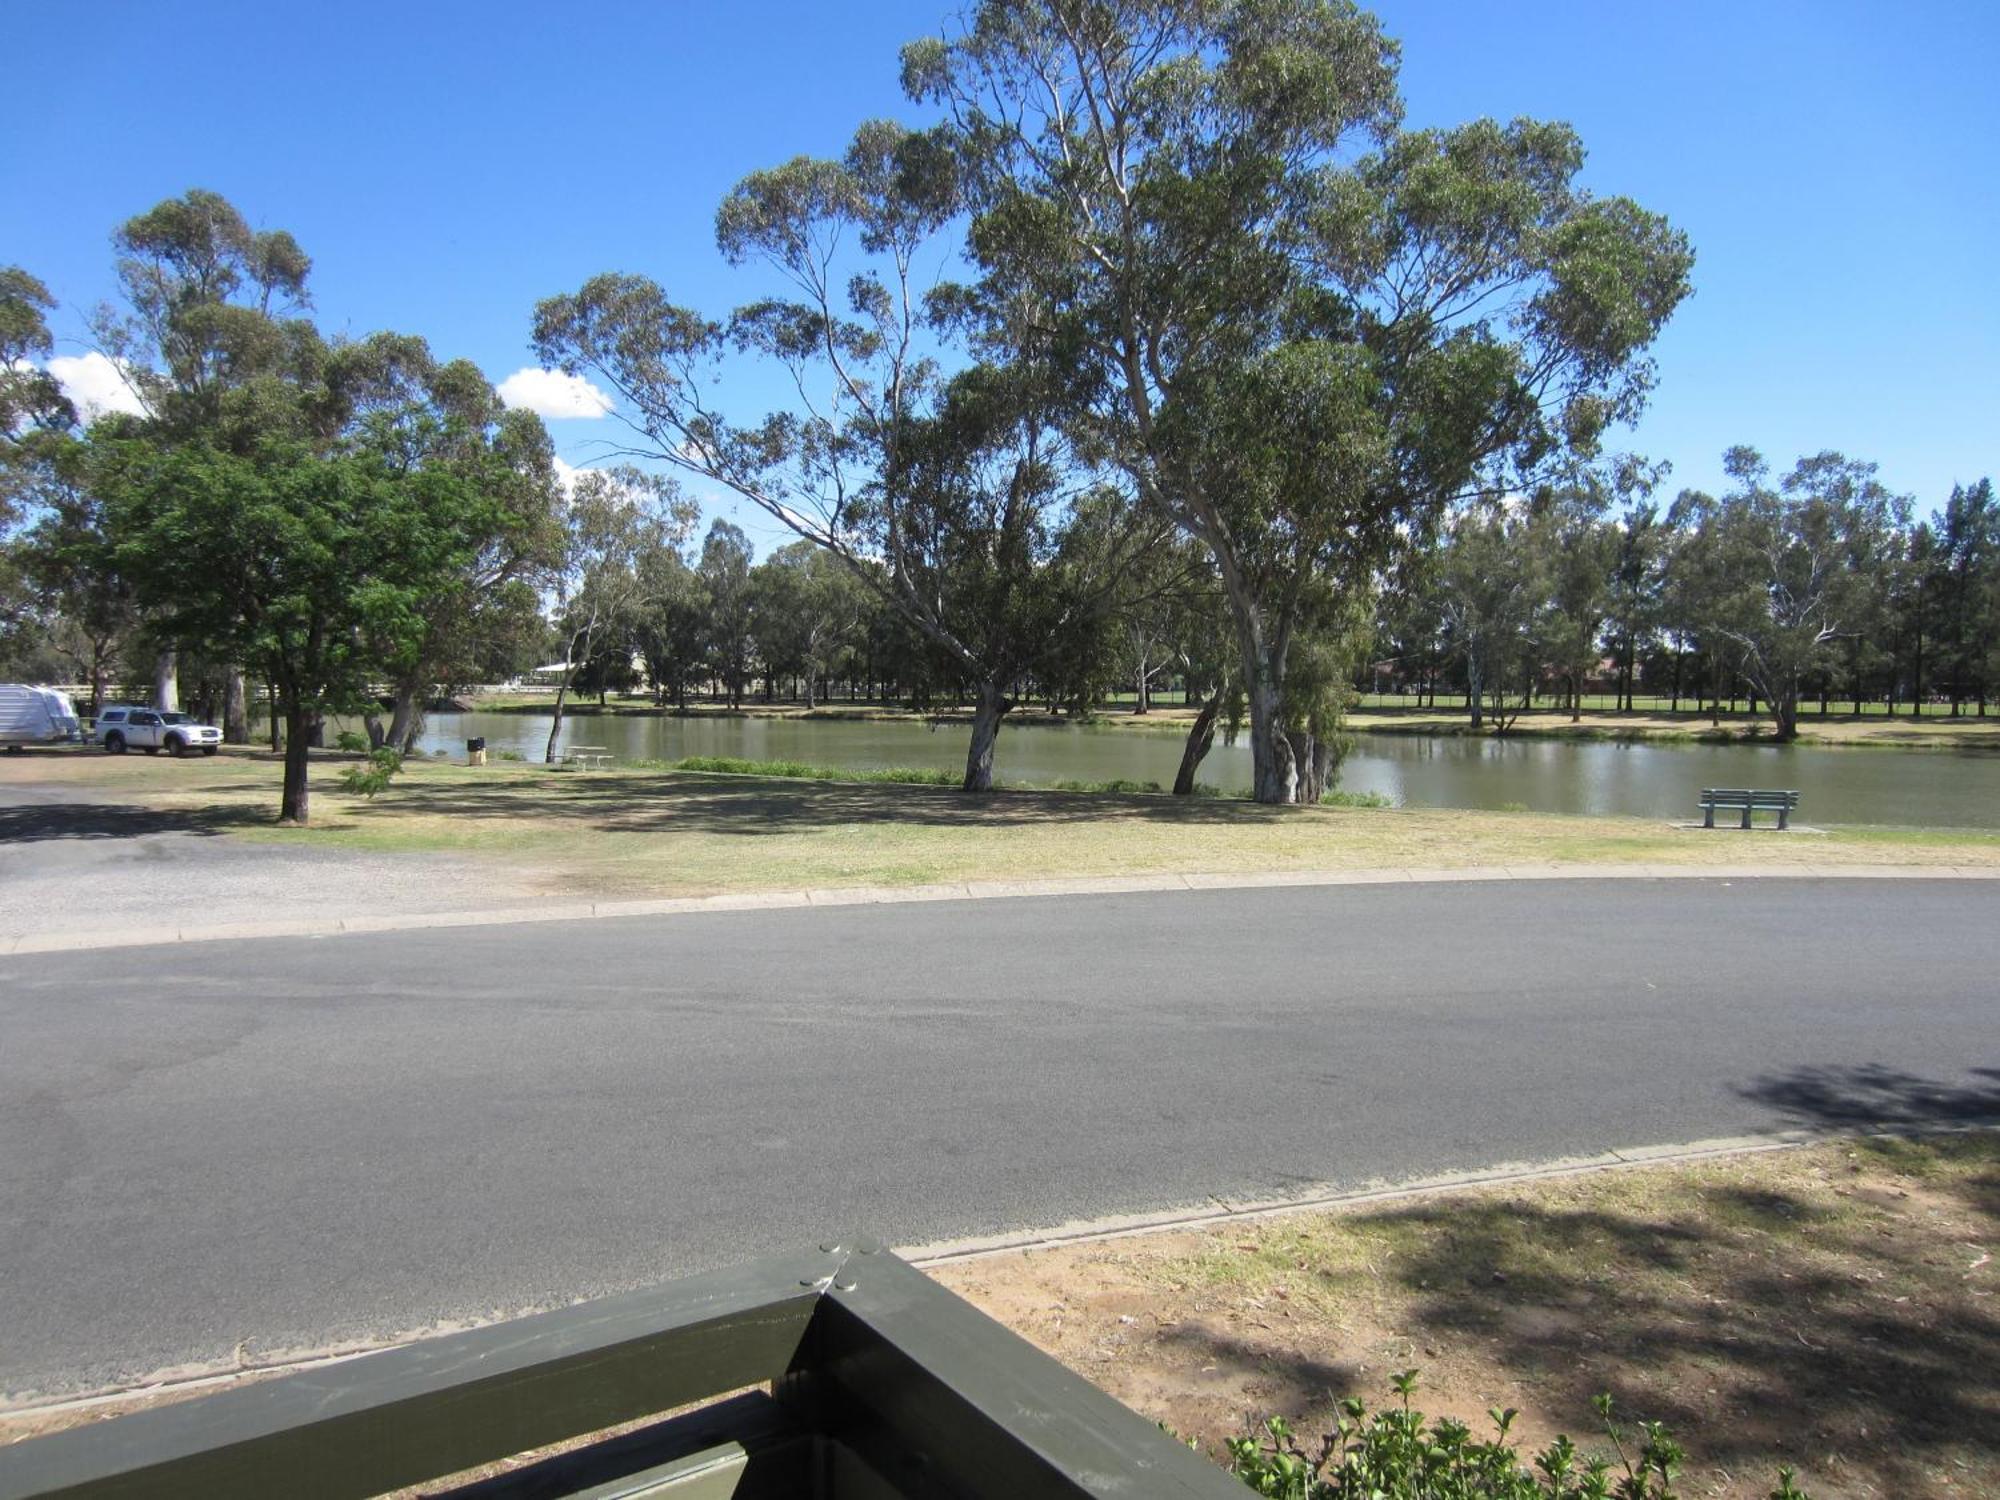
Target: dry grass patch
{"points": [[1829, 1307]]}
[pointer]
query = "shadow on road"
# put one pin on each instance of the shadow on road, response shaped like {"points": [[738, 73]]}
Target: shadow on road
{"points": [[1871, 1094]]}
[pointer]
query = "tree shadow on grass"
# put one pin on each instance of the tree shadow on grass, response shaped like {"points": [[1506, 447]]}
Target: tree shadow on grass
{"points": [[638, 802], [39, 822], [1762, 1327]]}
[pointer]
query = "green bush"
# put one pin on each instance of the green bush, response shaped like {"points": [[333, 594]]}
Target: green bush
{"points": [[731, 765], [1338, 798], [1115, 785], [351, 741], [1398, 1455], [509, 755], [372, 776]]}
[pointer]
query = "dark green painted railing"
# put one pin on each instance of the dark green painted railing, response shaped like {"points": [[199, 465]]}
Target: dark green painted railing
{"points": [[879, 1384]]}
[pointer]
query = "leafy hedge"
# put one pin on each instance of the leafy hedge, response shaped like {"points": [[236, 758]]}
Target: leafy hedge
{"points": [[1397, 1454]]}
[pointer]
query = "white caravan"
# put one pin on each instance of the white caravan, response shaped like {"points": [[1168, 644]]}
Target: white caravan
{"points": [[35, 716]]}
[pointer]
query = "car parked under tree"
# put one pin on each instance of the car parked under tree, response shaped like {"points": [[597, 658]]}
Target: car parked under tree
{"points": [[152, 730]]}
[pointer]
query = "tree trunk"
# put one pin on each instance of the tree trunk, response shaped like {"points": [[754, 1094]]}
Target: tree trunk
{"points": [[809, 695], [294, 806], [271, 702], [235, 709], [1143, 702], [1201, 736], [562, 692], [100, 680], [406, 718], [1274, 772], [993, 704], [1475, 693], [372, 722], [166, 682]]}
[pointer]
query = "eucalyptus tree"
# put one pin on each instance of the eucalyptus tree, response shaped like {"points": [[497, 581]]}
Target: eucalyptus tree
{"points": [[1493, 588], [809, 608], [421, 412], [1210, 199], [35, 419], [946, 497], [1580, 548], [607, 572], [1963, 574], [1785, 569], [670, 631], [724, 571], [31, 399]]}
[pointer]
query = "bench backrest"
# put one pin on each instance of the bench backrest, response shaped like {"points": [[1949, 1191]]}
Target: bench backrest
{"points": [[1740, 796]]}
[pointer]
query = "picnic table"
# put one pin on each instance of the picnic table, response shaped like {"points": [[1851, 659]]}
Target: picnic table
{"points": [[590, 757]]}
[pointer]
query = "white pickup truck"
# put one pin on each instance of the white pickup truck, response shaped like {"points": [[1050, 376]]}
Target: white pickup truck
{"points": [[35, 716], [150, 729]]}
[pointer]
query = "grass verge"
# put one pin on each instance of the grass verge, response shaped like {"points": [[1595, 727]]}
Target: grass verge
{"points": [[1829, 1307]]}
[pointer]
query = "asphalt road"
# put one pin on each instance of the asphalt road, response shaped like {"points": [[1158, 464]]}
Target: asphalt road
{"points": [[280, 1144]]}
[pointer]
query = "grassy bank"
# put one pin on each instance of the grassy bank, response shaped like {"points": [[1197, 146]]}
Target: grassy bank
{"points": [[1829, 1308], [638, 831]]}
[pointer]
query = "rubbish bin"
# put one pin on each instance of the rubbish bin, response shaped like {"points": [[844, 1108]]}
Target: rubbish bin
{"points": [[475, 752]]}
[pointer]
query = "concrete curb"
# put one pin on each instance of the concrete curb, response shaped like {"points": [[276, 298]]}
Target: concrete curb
{"points": [[976, 890]]}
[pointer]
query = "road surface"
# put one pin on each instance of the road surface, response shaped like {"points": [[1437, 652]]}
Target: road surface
{"points": [[233, 1149]]}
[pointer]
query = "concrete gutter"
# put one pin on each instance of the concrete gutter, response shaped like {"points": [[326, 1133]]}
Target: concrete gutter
{"points": [[973, 890]]}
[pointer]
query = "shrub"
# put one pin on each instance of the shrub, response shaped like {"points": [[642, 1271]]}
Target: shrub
{"points": [[731, 765], [509, 755], [1398, 1455], [351, 741], [374, 775], [1337, 798]]}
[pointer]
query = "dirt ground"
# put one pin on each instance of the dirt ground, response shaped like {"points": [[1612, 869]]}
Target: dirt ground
{"points": [[1830, 1308]]}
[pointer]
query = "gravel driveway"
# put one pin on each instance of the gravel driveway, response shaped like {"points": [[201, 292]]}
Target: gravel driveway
{"points": [[69, 864]]}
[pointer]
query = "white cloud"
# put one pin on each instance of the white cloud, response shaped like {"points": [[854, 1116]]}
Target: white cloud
{"points": [[96, 384], [567, 475], [552, 394]]}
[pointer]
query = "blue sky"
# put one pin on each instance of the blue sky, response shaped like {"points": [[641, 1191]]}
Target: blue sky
{"points": [[1836, 164]]}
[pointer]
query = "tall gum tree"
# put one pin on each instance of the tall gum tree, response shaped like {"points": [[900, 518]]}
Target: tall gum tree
{"points": [[945, 498], [1780, 573], [1209, 196]]}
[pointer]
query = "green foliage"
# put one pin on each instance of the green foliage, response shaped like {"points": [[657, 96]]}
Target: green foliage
{"points": [[1397, 1454], [730, 765], [373, 777], [350, 740], [1337, 798]]}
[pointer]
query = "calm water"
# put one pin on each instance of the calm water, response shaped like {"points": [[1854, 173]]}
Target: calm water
{"points": [[1910, 788]]}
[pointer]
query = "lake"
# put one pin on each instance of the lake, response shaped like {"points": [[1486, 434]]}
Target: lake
{"points": [[1910, 788]]}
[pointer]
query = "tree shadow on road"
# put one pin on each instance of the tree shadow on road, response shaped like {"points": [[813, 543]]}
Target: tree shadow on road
{"points": [[1872, 1094]]}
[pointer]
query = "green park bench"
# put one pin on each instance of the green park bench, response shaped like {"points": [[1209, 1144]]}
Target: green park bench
{"points": [[844, 1373], [1747, 800]]}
